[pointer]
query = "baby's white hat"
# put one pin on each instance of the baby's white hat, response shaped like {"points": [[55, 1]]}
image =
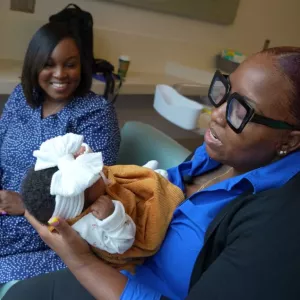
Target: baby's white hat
{"points": [[74, 175]]}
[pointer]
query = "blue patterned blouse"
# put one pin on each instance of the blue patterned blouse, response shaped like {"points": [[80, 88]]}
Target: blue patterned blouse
{"points": [[22, 130]]}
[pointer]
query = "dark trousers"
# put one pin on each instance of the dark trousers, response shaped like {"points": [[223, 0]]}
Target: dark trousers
{"points": [[61, 285]]}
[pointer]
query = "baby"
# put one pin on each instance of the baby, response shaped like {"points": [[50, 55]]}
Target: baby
{"points": [[123, 212]]}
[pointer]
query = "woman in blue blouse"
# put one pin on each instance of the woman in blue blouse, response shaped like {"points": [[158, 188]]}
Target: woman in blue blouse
{"points": [[53, 98], [252, 145]]}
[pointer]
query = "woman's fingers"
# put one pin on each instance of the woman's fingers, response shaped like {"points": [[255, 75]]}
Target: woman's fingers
{"points": [[34, 222], [42, 230], [64, 240], [2, 199], [11, 203], [62, 227], [59, 225]]}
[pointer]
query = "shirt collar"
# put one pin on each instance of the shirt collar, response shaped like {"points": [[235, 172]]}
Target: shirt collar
{"points": [[271, 176], [275, 174], [268, 177]]}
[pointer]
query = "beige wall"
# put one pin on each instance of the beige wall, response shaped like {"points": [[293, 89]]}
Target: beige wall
{"points": [[152, 39]]}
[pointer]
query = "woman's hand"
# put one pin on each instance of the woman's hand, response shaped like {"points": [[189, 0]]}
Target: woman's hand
{"points": [[11, 203], [65, 241], [101, 280]]}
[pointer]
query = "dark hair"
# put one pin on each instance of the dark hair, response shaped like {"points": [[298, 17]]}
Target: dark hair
{"points": [[35, 193], [288, 63], [39, 50]]}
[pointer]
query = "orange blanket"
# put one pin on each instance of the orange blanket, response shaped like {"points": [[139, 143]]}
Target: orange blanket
{"points": [[150, 200]]}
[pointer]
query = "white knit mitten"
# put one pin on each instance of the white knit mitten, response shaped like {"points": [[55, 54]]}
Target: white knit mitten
{"points": [[153, 165]]}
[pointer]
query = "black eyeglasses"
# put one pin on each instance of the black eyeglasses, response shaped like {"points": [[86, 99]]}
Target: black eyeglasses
{"points": [[238, 112]]}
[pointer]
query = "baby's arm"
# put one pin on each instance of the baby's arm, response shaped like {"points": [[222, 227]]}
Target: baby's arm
{"points": [[108, 227]]}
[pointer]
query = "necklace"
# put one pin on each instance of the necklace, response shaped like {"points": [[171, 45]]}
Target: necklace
{"points": [[206, 184]]}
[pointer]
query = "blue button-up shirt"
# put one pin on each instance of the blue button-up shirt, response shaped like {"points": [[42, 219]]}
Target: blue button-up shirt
{"points": [[168, 272]]}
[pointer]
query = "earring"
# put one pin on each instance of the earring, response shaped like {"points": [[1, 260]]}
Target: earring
{"points": [[282, 152]]}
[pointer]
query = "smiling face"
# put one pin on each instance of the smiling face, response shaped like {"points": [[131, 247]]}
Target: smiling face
{"points": [[257, 145], [61, 75]]}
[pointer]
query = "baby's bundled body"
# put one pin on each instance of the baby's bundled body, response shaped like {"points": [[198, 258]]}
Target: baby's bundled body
{"points": [[122, 211]]}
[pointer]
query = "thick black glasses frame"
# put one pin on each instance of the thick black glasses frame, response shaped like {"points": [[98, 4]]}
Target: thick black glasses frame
{"points": [[251, 116]]}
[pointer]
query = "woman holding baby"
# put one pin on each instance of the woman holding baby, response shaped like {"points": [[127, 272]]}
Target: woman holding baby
{"points": [[252, 146]]}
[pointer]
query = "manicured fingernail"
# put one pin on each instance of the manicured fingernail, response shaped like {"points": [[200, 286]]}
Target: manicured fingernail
{"points": [[3, 213], [54, 221]]}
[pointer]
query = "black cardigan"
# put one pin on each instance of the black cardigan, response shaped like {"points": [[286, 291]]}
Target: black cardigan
{"points": [[252, 249]]}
